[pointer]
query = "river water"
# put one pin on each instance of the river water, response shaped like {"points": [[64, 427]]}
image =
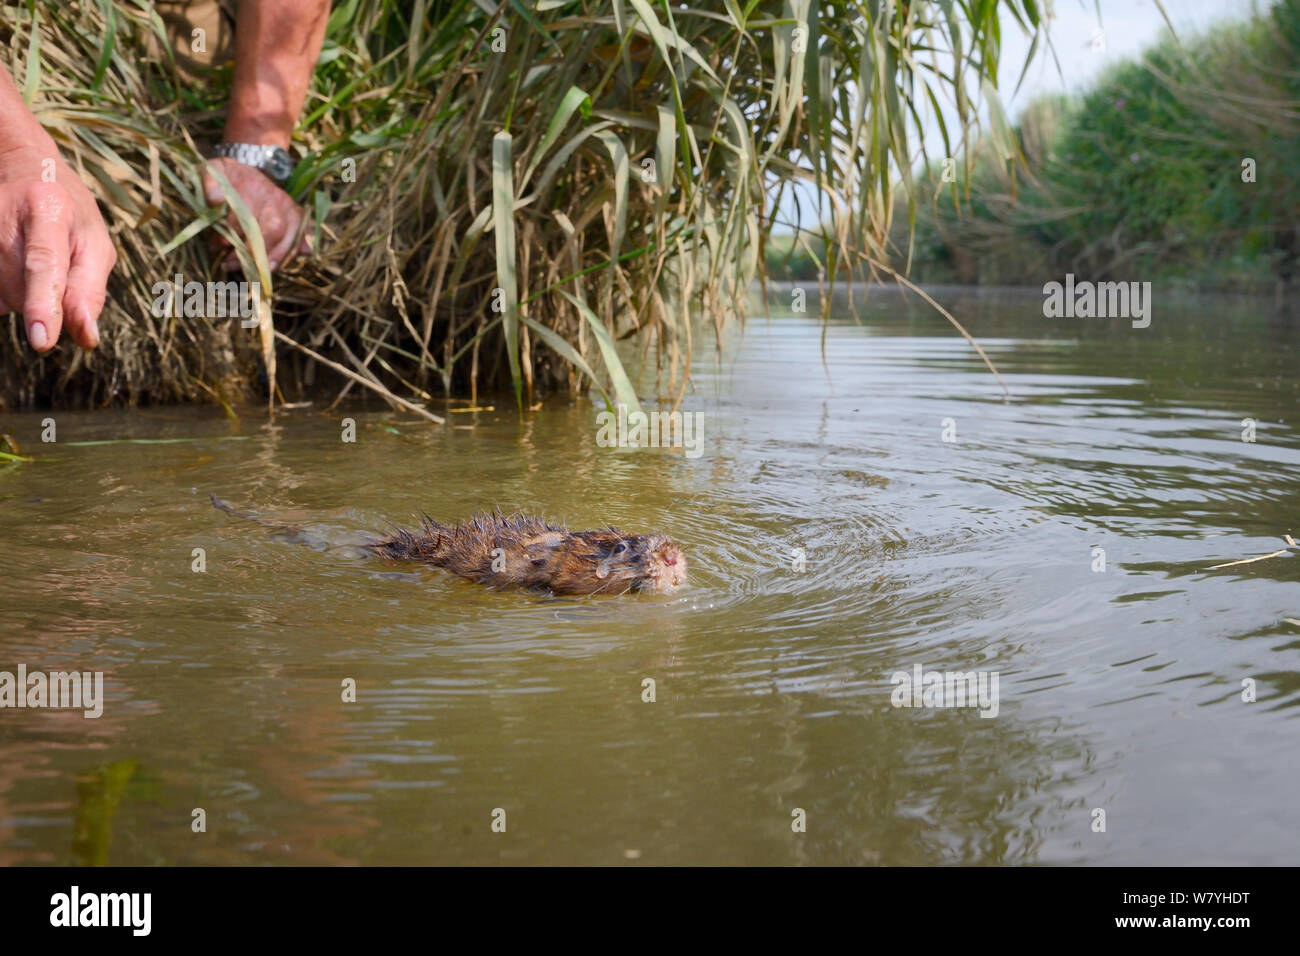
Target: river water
{"points": [[1057, 541]]}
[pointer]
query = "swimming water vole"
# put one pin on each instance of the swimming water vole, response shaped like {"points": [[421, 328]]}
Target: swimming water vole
{"points": [[522, 552], [519, 551]]}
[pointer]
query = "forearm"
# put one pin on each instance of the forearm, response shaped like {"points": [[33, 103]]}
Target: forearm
{"points": [[277, 44]]}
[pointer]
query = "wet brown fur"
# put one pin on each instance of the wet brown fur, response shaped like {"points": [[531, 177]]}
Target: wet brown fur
{"points": [[542, 557]]}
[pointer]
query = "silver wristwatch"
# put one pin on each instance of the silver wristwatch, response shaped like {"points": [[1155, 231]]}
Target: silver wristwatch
{"points": [[272, 160]]}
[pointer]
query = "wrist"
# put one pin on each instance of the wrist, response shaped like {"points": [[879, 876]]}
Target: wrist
{"points": [[30, 160], [274, 162], [22, 138], [260, 129]]}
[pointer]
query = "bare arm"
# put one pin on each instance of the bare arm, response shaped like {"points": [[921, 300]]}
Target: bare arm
{"points": [[277, 43]]}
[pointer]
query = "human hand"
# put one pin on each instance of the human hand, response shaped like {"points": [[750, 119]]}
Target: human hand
{"points": [[277, 215], [55, 252]]}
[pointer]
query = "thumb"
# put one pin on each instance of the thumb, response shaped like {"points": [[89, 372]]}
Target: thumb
{"points": [[212, 190]]}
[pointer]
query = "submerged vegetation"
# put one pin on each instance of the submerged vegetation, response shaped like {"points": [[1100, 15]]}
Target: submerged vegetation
{"points": [[500, 192]]}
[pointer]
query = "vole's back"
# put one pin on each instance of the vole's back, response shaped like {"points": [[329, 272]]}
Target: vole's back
{"points": [[489, 548]]}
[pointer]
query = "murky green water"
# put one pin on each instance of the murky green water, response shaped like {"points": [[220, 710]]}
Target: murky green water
{"points": [[1119, 690]]}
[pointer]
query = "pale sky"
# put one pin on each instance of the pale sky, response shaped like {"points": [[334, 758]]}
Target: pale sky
{"points": [[1128, 27]]}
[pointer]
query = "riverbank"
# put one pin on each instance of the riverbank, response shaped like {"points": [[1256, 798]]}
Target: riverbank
{"points": [[1177, 168], [499, 194]]}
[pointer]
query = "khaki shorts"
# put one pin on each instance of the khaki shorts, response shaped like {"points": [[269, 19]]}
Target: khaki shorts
{"points": [[181, 18]]}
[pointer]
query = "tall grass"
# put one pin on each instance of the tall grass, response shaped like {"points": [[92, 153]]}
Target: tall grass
{"points": [[501, 192]]}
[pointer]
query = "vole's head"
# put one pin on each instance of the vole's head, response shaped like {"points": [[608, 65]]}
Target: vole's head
{"points": [[639, 562]]}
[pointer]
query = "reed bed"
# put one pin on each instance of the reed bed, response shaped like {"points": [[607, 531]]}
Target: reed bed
{"points": [[525, 196]]}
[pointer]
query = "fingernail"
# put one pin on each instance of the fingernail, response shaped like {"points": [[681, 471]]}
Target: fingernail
{"points": [[37, 335], [92, 330], [274, 264]]}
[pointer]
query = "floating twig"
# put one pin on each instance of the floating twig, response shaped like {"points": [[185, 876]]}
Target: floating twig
{"points": [[1291, 546]]}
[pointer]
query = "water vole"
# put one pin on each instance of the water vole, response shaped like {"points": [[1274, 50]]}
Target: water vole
{"points": [[518, 551], [522, 552]]}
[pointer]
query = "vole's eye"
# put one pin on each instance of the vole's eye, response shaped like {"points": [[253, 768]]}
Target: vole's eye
{"points": [[620, 548]]}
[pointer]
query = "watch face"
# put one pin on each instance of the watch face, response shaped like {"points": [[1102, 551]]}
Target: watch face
{"points": [[280, 165]]}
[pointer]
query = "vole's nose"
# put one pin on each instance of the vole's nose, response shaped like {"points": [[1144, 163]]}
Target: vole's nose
{"points": [[669, 558]]}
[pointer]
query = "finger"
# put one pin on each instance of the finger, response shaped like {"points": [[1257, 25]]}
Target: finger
{"points": [[212, 190], [283, 248], [87, 289], [271, 224], [215, 196], [45, 274]]}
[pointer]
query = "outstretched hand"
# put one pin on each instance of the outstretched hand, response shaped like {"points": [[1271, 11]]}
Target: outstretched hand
{"points": [[55, 253], [276, 213]]}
